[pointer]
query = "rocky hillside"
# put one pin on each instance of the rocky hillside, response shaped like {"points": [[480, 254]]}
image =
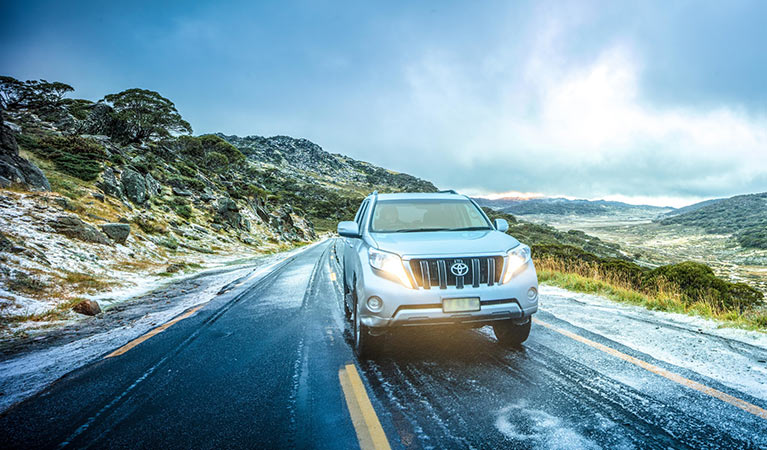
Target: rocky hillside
{"points": [[743, 216], [325, 187], [101, 197]]}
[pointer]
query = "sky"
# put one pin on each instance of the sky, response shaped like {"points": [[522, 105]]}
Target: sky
{"points": [[658, 102]]}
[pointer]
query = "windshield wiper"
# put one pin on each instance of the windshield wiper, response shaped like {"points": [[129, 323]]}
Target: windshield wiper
{"points": [[467, 229], [416, 230]]}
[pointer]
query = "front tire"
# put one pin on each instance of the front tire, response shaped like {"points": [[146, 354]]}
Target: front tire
{"points": [[510, 334], [365, 344]]}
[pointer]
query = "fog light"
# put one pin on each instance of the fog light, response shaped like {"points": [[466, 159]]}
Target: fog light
{"points": [[375, 304], [532, 293]]}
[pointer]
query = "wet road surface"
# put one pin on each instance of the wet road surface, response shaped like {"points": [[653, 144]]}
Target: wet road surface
{"points": [[258, 367]]}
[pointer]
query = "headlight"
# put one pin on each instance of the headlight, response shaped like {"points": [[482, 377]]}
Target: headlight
{"points": [[517, 258], [390, 265]]}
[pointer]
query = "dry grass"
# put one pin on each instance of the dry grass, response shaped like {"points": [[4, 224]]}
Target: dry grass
{"points": [[85, 283], [587, 279]]}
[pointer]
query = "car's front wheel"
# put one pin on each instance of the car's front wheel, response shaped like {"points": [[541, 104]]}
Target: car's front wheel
{"points": [[347, 300], [511, 334], [365, 344]]}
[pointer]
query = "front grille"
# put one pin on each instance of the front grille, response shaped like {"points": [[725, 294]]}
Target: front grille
{"points": [[435, 272]]}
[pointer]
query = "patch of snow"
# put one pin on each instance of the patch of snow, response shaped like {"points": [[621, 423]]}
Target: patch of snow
{"points": [[734, 357], [28, 373], [539, 429]]}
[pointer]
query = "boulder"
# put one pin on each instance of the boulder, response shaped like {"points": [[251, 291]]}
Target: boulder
{"points": [[87, 307], [153, 187], [109, 184], [74, 228], [134, 186], [117, 232], [16, 169]]}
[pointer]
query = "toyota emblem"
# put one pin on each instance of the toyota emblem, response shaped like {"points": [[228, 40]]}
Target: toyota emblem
{"points": [[459, 268]]}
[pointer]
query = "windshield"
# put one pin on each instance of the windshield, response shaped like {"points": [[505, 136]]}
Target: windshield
{"points": [[391, 216]]}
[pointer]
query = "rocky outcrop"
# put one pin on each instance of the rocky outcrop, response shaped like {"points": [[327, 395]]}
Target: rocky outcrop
{"points": [[109, 184], [14, 168], [87, 307], [139, 188], [117, 232], [153, 187], [228, 214], [74, 228], [134, 186]]}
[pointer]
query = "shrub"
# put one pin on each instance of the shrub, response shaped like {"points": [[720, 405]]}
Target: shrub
{"points": [[184, 211], [183, 182], [149, 225], [187, 170], [698, 283], [216, 161], [73, 155], [192, 146], [212, 143], [181, 207], [169, 242]]}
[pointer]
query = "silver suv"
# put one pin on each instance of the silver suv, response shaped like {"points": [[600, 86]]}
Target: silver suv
{"points": [[433, 259]]}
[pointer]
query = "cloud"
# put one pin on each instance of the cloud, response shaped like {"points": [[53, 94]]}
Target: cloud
{"points": [[542, 122]]}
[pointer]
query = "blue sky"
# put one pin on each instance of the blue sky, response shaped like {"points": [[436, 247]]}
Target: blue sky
{"points": [[660, 102]]}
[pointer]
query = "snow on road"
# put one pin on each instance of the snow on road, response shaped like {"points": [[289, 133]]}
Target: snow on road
{"points": [[736, 358]]}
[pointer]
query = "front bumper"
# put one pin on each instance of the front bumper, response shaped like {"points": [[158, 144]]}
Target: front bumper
{"points": [[416, 307]]}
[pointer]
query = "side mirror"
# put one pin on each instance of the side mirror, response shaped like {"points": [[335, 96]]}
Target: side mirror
{"points": [[349, 229], [501, 225]]}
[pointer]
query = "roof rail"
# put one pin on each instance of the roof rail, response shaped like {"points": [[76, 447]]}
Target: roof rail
{"points": [[448, 191]]}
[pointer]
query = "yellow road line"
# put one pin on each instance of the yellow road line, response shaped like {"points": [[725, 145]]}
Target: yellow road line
{"points": [[332, 276], [153, 332], [370, 433], [742, 404]]}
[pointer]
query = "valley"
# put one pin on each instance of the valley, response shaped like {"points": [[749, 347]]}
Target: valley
{"points": [[652, 244]]}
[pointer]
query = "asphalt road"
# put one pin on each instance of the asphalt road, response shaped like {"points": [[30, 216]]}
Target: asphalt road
{"points": [[262, 366]]}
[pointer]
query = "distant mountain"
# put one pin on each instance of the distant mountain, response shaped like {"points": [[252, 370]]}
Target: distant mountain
{"points": [[563, 206], [691, 208], [744, 216]]}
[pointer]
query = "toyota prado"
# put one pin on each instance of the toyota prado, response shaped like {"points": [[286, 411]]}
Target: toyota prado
{"points": [[433, 259]]}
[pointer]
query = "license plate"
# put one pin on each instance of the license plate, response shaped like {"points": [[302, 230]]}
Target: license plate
{"points": [[451, 305]]}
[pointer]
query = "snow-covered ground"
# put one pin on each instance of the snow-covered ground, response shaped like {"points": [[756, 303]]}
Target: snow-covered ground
{"points": [[734, 357], [123, 271], [29, 372]]}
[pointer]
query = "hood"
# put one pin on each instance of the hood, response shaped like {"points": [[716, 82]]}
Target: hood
{"points": [[455, 243]]}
